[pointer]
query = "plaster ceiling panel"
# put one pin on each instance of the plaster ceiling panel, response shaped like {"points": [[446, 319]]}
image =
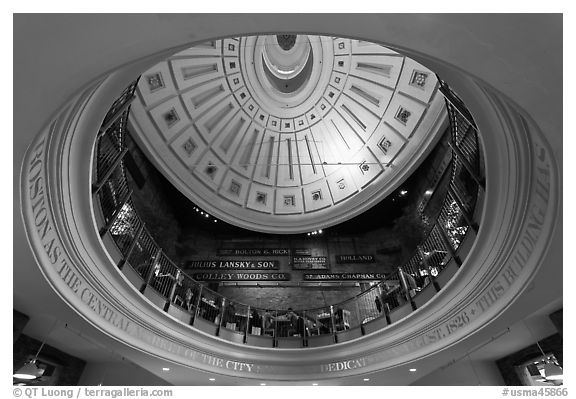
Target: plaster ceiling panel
{"points": [[261, 198], [342, 184], [228, 140], [338, 80], [242, 96], [170, 118], [301, 123], [417, 81], [358, 117], [210, 170], [331, 94], [246, 157], [342, 64], [156, 84], [266, 169], [287, 126], [317, 196], [250, 108], [289, 201], [230, 47], [236, 82], [404, 114], [367, 168], [189, 72], [327, 147], [433, 119], [344, 133], [262, 118], [372, 96], [385, 143], [288, 161], [188, 147], [311, 168], [212, 122], [204, 97], [383, 70], [212, 48], [231, 65], [323, 107], [274, 123], [342, 46], [234, 188], [363, 47], [312, 116]]}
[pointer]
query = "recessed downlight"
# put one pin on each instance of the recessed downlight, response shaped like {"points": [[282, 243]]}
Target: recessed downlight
{"points": [[314, 383], [212, 379], [262, 383], [366, 379], [165, 368], [412, 370]]}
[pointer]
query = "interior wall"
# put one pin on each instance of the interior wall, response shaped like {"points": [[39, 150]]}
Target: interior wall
{"points": [[464, 372], [122, 373]]}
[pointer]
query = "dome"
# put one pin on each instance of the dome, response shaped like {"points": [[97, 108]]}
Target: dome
{"points": [[287, 133]]}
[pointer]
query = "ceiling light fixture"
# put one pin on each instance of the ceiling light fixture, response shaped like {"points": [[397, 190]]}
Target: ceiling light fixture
{"points": [[30, 371], [552, 371], [212, 379], [315, 384], [366, 379], [412, 370], [165, 368], [262, 383]]}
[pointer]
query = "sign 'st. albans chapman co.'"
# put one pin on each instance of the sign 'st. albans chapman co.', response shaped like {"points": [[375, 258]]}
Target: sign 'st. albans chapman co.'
{"points": [[232, 264], [344, 276], [253, 252]]}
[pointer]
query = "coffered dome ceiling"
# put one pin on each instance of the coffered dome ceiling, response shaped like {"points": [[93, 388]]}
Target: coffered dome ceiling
{"points": [[287, 133]]}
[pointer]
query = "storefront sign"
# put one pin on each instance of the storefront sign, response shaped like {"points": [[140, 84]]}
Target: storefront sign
{"points": [[233, 264], [302, 252], [344, 276], [253, 252], [309, 262], [355, 259], [241, 276]]}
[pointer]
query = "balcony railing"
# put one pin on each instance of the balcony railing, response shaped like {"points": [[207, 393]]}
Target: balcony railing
{"points": [[411, 285]]}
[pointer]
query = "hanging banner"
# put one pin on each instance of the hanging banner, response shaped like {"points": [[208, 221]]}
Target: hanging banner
{"points": [[233, 264], [309, 262], [253, 252], [241, 276], [355, 259], [344, 276]]}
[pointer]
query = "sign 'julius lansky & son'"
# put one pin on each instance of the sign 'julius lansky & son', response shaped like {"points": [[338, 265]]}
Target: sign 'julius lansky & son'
{"points": [[233, 264], [355, 259]]}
